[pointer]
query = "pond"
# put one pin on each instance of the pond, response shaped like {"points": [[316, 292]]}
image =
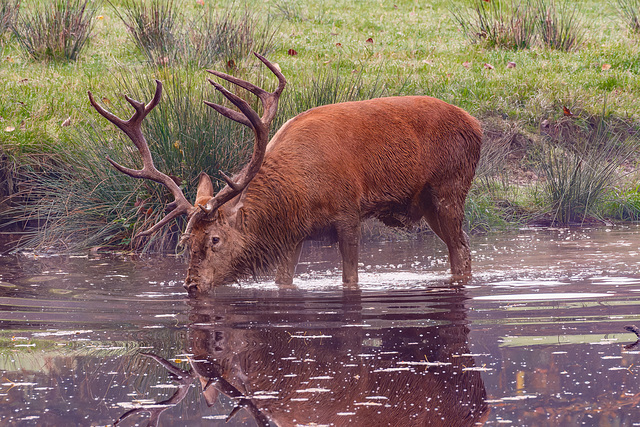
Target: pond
{"points": [[536, 338]]}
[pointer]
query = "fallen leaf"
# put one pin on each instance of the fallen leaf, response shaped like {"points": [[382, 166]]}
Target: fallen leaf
{"points": [[106, 100], [23, 80], [566, 111], [488, 66], [9, 129], [149, 211], [606, 67], [466, 64], [369, 40], [339, 44], [292, 52], [99, 17], [511, 65], [67, 122], [231, 64], [23, 126]]}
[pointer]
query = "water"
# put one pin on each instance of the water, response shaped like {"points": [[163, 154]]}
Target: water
{"points": [[536, 338]]}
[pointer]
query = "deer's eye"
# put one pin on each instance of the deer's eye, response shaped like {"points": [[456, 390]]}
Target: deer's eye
{"points": [[215, 240]]}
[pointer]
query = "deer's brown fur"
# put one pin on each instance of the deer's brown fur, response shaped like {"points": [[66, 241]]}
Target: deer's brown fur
{"points": [[398, 159]]}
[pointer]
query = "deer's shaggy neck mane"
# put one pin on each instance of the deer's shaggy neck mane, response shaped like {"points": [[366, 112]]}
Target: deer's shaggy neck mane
{"points": [[272, 219]]}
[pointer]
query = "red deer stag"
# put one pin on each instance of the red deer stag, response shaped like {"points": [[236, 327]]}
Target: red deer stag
{"points": [[399, 159]]}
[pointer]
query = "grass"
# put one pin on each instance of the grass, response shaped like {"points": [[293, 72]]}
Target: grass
{"points": [[629, 11], [559, 24], [166, 36], [55, 32], [580, 169], [498, 24], [155, 27], [8, 14], [329, 52]]}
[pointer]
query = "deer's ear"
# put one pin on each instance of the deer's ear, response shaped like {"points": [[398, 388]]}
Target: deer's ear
{"points": [[205, 189]]}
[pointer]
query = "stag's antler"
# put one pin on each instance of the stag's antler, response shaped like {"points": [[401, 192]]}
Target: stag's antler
{"points": [[248, 117], [132, 128]]}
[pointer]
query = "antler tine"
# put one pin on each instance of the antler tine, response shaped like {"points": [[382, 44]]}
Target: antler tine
{"points": [[248, 117], [133, 129], [269, 99]]}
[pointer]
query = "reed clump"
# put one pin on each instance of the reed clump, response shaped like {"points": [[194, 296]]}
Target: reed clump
{"points": [[58, 31]]}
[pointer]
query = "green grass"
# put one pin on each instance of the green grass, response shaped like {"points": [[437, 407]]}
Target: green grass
{"points": [[56, 31], [329, 51]]}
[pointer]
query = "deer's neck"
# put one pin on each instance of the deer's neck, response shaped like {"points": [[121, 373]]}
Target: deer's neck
{"points": [[271, 218]]}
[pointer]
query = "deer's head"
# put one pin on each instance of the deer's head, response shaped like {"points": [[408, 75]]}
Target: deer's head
{"points": [[212, 235]]}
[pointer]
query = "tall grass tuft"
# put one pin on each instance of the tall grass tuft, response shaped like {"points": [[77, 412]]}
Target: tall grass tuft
{"points": [[155, 26], [8, 13], [56, 31], [629, 11], [228, 36], [165, 37], [559, 25], [579, 174], [498, 24], [289, 10]]}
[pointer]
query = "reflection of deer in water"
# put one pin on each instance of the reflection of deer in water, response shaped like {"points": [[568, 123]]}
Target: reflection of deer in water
{"points": [[344, 375]]}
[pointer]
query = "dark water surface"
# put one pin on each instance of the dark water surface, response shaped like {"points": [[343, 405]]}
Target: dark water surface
{"points": [[536, 338]]}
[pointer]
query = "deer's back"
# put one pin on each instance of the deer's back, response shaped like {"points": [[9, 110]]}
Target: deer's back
{"points": [[378, 144]]}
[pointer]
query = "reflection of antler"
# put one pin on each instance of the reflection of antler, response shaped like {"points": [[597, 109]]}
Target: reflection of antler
{"points": [[635, 330], [184, 380], [208, 373]]}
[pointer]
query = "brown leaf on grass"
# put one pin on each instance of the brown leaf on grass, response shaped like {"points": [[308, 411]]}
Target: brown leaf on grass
{"points": [[67, 122], [9, 129], [511, 65], [292, 52], [466, 64], [369, 40], [106, 101], [23, 125], [338, 44], [488, 66], [606, 67], [566, 111]]}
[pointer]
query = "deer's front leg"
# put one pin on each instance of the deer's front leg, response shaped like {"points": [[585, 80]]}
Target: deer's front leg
{"points": [[287, 268]]}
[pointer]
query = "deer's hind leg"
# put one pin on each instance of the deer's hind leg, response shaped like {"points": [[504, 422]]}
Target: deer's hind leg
{"points": [[443, 208]]}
